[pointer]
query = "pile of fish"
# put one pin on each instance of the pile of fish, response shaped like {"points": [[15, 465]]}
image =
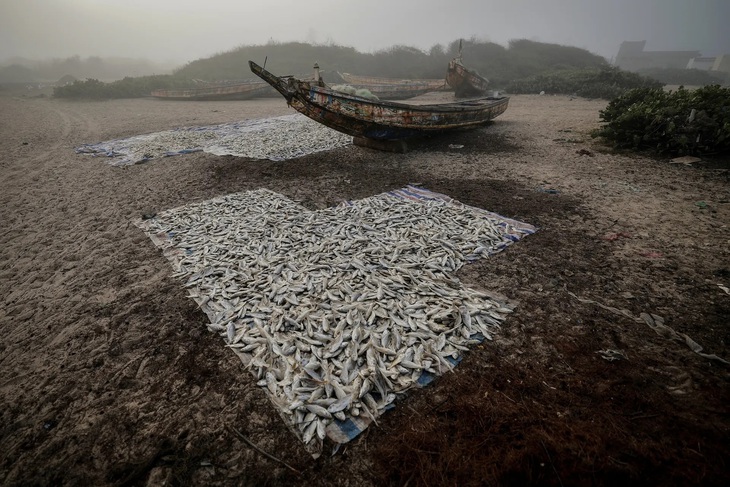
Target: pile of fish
{"points": [[337, 311], [275, 139]]}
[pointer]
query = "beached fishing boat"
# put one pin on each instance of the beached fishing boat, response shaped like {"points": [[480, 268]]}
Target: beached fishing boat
{"points": [[377, 119], [465, 82], [239, 91], [355, 79], [394, 88]]}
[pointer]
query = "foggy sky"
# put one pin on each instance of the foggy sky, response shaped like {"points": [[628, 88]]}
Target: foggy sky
{"points": [[185, 30]]}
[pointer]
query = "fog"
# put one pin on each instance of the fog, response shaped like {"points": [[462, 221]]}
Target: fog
{"points": [[184, 30]]}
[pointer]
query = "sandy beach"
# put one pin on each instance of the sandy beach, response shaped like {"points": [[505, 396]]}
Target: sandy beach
{"points": [[109, 376]]}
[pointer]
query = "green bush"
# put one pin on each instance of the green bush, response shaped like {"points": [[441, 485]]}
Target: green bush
{"points": [[687, 77], [123, 88], [676, 123], [90, 88], [606, 83], [497, 63]]}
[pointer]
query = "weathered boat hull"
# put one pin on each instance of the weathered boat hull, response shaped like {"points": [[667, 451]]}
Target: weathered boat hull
{"points": [[465, 82], [380, 120], [244, 91]]}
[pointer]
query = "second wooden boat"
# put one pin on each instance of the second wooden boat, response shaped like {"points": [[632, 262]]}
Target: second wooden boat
{"points": [[465, 82], [239, 91]]}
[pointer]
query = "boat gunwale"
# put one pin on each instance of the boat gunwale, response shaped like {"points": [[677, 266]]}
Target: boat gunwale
{"points": [[465, 104], [377, 80]]}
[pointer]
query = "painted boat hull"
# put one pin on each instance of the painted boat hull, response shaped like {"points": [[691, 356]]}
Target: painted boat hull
{"points": [[244, 91], [465, 82], [380, 120]]}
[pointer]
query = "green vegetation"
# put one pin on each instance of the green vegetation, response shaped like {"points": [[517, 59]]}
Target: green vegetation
{"points": [[124, 88], [683, 122], [605, 82], [498, 63], [688, 77]]}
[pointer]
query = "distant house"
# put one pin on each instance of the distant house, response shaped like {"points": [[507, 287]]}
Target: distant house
{"points": [[722, 63], [632, 57], [701, 63]]}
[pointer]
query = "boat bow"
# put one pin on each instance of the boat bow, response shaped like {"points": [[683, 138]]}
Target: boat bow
{"points": [[286, 85]]}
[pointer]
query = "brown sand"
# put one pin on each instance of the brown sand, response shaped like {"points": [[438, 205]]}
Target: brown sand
{"points": [[108, 375]]}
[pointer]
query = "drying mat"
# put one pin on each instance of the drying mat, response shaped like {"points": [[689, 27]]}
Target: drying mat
{"points": [[276, 139], [338, 311]]}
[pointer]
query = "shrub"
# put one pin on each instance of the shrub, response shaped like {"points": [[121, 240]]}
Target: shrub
{"points": [[123, 88], [676, 123], [606, 83], [687, 77], [90, 88]]}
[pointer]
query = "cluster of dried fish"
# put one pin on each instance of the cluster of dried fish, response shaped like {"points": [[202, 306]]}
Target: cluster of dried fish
{"points": [[335, 311], [276, 139]]}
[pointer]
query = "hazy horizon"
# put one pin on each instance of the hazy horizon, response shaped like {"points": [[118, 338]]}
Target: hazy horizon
{"points": [[179, 31]]}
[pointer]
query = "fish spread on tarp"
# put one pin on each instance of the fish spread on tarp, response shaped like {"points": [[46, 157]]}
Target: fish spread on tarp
{"points": [[337, 311], [276, 139]]}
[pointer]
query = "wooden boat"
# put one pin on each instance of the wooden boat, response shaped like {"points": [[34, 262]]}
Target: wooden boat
{"points": [[465, 82], [355, 79], [394, 88], [239, 91], [378, 119]]}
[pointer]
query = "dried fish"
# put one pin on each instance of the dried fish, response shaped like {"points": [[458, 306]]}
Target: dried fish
{"points": [[276, 139], [337, 310]]}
